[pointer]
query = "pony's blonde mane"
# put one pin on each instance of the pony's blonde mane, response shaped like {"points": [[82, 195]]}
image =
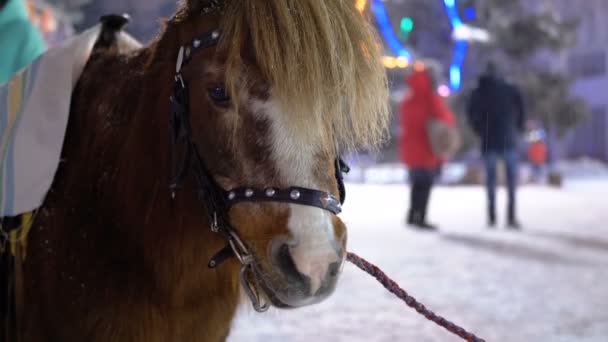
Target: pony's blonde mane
{"points": [[322, 59]]}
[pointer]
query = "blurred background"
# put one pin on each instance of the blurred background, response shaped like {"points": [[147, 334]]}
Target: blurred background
{"points": [[546, 282], [554, 51]]}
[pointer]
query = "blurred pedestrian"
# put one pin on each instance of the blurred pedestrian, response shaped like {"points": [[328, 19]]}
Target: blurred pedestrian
{"points": [[54, 26], [427, 128], [537, 153], [20, 40], [496, 114]]}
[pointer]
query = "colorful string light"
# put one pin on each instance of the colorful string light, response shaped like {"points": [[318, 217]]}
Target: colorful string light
{"points": [[387, 30], [403, 55], [360, 4], [395, 62], [460, 47]]}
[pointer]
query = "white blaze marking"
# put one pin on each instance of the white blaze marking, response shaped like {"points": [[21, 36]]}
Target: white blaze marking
{"points": [[313, 233], [311, 228]]}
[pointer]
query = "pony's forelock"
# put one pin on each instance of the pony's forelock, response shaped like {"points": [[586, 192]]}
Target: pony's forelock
{"points": [[322, 60]]}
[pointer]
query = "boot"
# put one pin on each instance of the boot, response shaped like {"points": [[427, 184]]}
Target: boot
{"points": [[411, 217], [419, 222], [513, 223], [426, 226], [415, 218], [491, 217]]}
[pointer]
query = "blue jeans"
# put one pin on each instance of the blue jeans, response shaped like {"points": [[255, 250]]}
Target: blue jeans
{"points": [[537, 172], [511, 159]]}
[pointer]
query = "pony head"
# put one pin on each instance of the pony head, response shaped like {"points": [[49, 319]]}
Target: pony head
{"points": [[290, 84]]}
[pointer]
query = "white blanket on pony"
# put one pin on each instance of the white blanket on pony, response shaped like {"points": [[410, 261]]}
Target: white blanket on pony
{"points": [[34, 110]]}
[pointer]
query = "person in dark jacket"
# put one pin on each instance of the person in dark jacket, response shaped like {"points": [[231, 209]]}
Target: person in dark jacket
{"points": [[418, 108], [496, 114]]}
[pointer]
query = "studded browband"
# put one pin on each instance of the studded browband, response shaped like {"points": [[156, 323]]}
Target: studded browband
{"points": [[295, 195]]}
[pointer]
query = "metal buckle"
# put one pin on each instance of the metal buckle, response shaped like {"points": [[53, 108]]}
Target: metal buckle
{"points": [[180, 60], [215, 227], [246, 259], [240, 251], [253, 295]]}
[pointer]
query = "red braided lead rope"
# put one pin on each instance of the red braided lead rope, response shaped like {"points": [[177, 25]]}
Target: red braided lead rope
{"points": [[395, 289]]}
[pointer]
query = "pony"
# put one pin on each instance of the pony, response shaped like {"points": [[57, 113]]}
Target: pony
{"points": [[116, 254]]}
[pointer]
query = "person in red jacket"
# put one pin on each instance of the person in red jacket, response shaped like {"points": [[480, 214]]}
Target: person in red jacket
{"points": [[420, 106], [537, 153]]}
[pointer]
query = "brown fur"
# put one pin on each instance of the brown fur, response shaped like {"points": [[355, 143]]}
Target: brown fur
{"points": [[112, 257]]}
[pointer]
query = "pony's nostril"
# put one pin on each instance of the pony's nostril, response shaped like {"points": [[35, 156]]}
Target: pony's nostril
{"points": [[284, 261], [334, 269], [284, 258], [310, 271]]}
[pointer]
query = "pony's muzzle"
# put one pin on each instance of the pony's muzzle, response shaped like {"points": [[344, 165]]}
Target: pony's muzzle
{"points": [[310, 274]]}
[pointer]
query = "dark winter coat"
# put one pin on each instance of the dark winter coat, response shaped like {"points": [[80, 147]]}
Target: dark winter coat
{"points": [[421, 105], [496, 114]]}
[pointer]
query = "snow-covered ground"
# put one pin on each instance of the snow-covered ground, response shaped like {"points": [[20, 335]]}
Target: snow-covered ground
{"points": [[367, 171], [546, 283]]}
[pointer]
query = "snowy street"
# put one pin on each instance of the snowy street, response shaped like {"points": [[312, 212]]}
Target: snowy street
{"points": [[546, 283]]}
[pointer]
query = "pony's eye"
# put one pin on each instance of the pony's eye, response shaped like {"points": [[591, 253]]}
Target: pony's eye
{"points": [[219, 95]]}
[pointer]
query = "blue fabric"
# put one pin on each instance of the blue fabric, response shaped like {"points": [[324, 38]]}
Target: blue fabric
{"points": [[3, 106], [20, 40], [511, 159]]}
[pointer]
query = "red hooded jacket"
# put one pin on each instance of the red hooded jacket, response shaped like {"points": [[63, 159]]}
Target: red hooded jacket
{"points": [[422, 104]]}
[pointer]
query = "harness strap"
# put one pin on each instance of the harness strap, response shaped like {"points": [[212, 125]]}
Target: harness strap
{"points": [[223, 255], [185, 53], [295, 195], [211, 195], [179, 131], [341, 169]]}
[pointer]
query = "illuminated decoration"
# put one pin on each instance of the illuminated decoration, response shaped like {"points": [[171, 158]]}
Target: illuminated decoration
{"points": [[462, 33], [387, 31], [407, 26], [471, 34], [360, 4], [470, 13], [395, 62], [402, 62], [389, 62], [444, 91], [460, 48]]}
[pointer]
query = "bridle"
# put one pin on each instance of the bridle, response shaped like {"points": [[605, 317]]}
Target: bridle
{"points": [[217, 201]]}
